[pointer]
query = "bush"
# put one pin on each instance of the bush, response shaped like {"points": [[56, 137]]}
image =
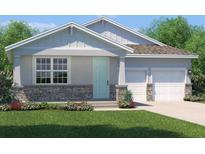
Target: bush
{"points": [[198, 82], [82, 106], [30, 106], [15, 105], [5, 107], [44, 105], [194, 98], [127, 101], [128, 96]]}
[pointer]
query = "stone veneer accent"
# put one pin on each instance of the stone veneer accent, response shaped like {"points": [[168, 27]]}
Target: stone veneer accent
{"points": [[150, 92], [58, 92], [112, 92], [120, 91], [54, 92], [188, 89]]}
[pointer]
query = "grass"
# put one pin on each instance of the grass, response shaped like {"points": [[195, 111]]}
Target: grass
{"points": [[94, 124]]}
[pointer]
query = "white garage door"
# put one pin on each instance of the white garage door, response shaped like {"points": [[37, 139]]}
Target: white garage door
{"points": [[136, 81], [168, 85]]}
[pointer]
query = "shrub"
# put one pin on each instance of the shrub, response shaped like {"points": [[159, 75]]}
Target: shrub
{"points": [[15, 105], [30, 106], [44, 105], [82, 106], [127, 101], [5, 107], [128, 96], [194, 98]]}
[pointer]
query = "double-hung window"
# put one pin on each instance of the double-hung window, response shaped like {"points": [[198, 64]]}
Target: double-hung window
{"points": [[52, 70]]}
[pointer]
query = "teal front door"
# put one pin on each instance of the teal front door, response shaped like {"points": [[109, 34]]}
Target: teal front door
{"points": [[100, 77]]}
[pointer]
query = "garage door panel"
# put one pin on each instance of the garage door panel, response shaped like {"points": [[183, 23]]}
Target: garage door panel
{"points": [[136, 81], [168, 85]]}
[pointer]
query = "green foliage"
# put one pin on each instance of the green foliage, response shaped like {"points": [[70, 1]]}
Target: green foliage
{"points": [[126, 101], [194, 98], [123, 104], [14, 32], [17, 31], [174, 32], [82, 106], [30, 106], [196, 44], [5, 107], [44, 105], [198, 82], [128, 96]]}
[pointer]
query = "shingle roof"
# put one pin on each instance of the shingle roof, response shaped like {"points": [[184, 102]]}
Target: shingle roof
{"points": [[155, 49]]}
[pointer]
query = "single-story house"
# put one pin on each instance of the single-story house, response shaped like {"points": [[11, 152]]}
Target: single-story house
{"points": [[98, 60]]}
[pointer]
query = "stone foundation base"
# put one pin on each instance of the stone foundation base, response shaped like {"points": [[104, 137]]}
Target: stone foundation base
{"points": [[150, 92], [188, 90], [120, 91], [54, 93], [58, 93]]}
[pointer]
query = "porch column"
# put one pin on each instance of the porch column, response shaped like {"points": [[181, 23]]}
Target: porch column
{"points": [[17, 72], [121, 87], [121, 78]]}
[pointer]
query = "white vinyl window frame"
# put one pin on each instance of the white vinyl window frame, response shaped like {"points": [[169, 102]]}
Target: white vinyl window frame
{"points": [[34, 59]]}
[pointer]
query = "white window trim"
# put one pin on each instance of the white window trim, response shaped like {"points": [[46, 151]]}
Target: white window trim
{"points": [[52, 57]]}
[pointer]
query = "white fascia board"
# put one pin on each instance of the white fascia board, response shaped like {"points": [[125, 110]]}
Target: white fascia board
{"points": [[127, 29], [161, 56], [36, 37]]}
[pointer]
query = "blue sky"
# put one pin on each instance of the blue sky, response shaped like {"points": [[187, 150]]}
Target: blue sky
{"points": [[135, 21]]}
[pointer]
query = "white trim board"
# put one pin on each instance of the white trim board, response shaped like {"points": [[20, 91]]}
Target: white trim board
{"points": [[125, 28], [71, 25]]}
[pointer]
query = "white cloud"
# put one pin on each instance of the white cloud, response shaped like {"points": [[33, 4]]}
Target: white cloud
{"points": [[40, 26]]}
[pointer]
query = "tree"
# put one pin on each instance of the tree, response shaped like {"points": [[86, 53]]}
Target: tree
{"points": [[196, 44], [174, 32], [17, 31], [14, 32]]}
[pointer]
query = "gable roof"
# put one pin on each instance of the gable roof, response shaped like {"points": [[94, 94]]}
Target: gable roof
{"points": [[165, 51], [59, 28], [126, 29]]}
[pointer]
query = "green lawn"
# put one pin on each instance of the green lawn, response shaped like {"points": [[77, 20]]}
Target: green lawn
{"points": [[94, 124]]}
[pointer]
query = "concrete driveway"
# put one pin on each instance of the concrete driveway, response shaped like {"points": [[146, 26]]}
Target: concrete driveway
{"points": [[188, 111]]}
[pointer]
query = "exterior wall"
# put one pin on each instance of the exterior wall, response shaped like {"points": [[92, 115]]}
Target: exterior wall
{"points": [[81, 71], [58, 93], [156, 62], [114, 70], [26, 70], [113, 32], [76, 44]]}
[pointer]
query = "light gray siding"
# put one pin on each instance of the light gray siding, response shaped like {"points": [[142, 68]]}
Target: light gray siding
{"points": [[81, 70], [63, 42], [114, 70], [158, 63], [26, 70], [82, 73], [120, 35]]}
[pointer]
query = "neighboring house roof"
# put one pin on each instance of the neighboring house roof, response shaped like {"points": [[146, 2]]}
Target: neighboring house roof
{"points": [[160, 51], [54, 30], [125, 28]]}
